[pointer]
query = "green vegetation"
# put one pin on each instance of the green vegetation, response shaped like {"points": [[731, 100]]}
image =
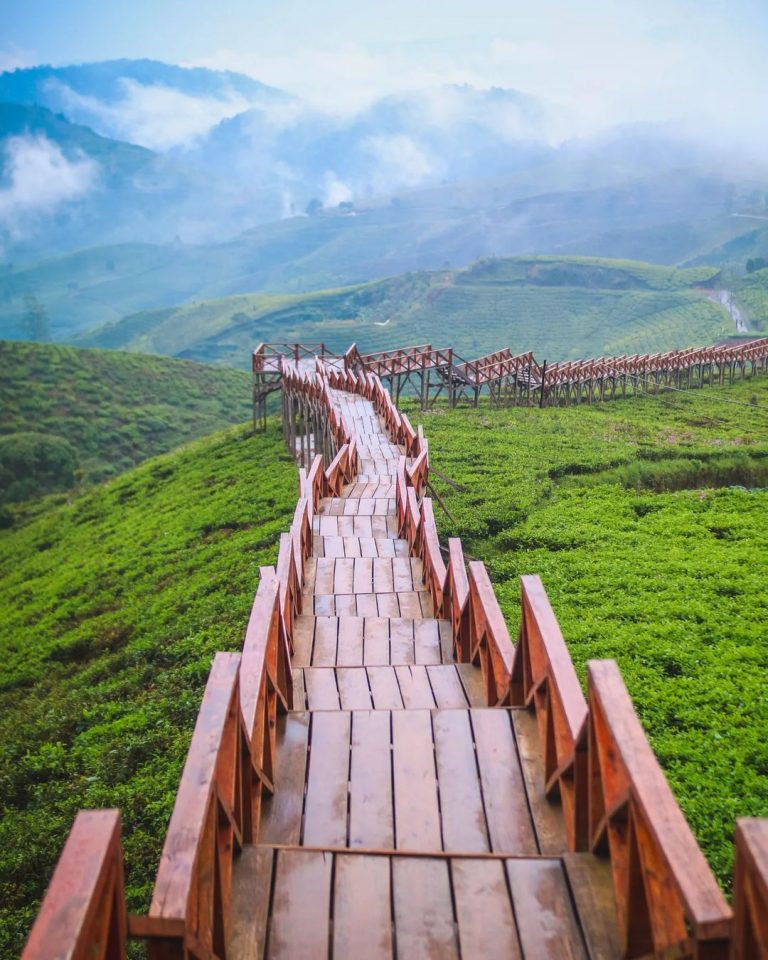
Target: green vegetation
{"points": [[649, 554], [558, 307], [752, 294], [108, 410], [111, 610]]}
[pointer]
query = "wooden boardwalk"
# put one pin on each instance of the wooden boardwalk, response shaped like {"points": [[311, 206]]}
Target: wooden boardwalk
{"points": [[382, 773], [405, 820]]}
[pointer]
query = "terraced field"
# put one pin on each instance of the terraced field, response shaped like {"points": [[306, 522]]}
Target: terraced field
{"points": [[559, 308]]}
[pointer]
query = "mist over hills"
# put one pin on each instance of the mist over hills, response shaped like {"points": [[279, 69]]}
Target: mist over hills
{"points": [[132, 185]]}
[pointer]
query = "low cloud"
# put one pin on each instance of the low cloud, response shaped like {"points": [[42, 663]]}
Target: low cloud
{"points": [[400, 162], [152, 116], [38, 180]]}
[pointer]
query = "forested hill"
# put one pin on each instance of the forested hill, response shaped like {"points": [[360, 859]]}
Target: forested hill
{"points": [[70, 416], [559, 307]]}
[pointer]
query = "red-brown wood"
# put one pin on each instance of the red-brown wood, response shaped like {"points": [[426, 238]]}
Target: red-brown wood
{"points": [[490, 644], [664, 886], [193, 884], [750, 891], [544, 679], [82, 916]]}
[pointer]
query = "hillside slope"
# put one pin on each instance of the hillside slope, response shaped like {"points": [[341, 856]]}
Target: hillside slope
{"points": [[647, 521], [557, 307], [111, 609], [113, 409]]}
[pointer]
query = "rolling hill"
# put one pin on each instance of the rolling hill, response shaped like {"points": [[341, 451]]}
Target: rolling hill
{"points": [[111, 608], [102, 412], [557, 307]]}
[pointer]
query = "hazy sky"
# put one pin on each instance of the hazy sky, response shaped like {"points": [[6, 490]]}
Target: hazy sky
{"points": [[608, 59]]}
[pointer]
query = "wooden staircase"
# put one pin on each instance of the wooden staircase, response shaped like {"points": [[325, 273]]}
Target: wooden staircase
{"points": [[405, 819], [382, 773]]}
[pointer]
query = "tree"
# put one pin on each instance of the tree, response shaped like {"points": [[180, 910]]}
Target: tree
{"points": [[756, 263], [314, 207], [34, 320]]}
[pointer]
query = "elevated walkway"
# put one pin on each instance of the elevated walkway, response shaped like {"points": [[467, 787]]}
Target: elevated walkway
{"points": [[382, 773]]}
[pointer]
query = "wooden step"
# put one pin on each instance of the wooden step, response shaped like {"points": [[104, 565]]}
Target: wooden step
{"points": [[293, 903], [359, 547], [420, 780], [377, 527], [345, 575], [351, 641], [350, 507], [414, 604], [405, 687]]}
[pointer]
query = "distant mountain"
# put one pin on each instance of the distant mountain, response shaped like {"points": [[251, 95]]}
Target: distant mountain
{"points": [[558, 307], [425, 138], [115, 96]]}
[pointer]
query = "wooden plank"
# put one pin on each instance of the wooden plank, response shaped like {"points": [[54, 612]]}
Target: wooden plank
{"points": [[281, 812], [299, 928], [343, 576], [402, 573], [299, 692], [351, 644], [353, 688], [376, 642], [384, 547], [461, 801], [352, 547], [325, 806], [362, 908], [345, 605], [383, 577], [446, 687], [303, 638], [371, 815], [324, 575], [322, 693], [446, 646], [363, 575], [427, 641], [367, 547], [547, 817], [472, 681], [545, 921], [384, 688], [326, 642], [366, 605], [401, 641], [410, 606], [417, 816], [415, 688], [506, 806], [388, 605], [249, 906], [423, 909], [333, 547], [484, 912], [323, 606], [591, 882]]}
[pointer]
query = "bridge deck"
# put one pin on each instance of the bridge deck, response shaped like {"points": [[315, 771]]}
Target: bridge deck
{"points": [[407, 819]]}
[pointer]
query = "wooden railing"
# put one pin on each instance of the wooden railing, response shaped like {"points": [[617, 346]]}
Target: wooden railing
{"points": [[82, 916], [544, 678], [667, 897], [750, 891]]}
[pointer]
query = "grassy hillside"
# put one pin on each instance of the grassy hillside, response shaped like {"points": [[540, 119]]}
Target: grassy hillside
{"points": [[113, 410], [649, 555], [558, 307], [668, 218], [111, 610]]}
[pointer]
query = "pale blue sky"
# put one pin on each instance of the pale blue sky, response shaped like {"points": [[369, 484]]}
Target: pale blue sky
{"points": [[609, 59]]}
